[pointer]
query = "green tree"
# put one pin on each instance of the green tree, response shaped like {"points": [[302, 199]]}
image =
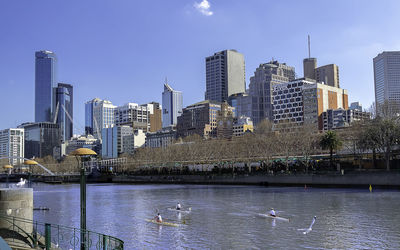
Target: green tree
{"points": [[330, 141], [381, 135]]}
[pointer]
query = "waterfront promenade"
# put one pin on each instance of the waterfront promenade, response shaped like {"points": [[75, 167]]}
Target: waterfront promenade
{"points": [[384, 179]]}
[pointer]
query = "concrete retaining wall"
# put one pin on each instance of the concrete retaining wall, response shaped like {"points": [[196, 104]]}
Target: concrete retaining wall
{"points": [[384, 179], [17, 202]]}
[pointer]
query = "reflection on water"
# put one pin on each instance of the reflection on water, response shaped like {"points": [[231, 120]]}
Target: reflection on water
{"points": [[225, 216]]}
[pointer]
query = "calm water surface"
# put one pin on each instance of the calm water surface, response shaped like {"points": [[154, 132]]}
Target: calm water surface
{"points": [[225, 217]]}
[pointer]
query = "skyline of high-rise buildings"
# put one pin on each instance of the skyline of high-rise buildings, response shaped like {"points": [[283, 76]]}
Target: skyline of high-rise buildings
{"points": [[225, 80]]}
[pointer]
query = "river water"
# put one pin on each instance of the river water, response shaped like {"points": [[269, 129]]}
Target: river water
{"points": [[225, 217]]}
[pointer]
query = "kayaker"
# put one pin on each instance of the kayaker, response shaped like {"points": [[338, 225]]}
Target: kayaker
{"points": [[178, 206], [272, 212], [158, 218]]}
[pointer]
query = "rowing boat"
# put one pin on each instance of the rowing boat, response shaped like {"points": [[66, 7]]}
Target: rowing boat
{"points": [[180, 211], [273, 217], [164, 223]]}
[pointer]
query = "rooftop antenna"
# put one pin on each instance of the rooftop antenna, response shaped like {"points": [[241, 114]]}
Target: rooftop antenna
{"points": [[309, 50], [166, 80]]}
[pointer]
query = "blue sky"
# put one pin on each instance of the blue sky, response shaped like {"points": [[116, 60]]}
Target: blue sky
{"points": [[122, 50]]}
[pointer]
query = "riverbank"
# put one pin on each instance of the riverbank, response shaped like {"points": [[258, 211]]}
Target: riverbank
{"points": [[382, 179], [377, 179]]}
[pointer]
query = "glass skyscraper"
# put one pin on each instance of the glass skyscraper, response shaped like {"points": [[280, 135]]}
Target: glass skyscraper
{"points": [[45, 83], [64, 110], [171, 106], [89, 121], [387, 78]]}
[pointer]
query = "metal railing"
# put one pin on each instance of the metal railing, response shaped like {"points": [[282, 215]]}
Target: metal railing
{"points": [[34, 234]]}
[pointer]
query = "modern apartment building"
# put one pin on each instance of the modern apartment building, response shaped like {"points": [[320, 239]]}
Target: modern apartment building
{"points": [[40, 138], [387, 79], [103, 117], [317, 98], [171, 106], [12, 145], [90, 125], [199, 118], [45, 82], [339, 118], [64, 110], [225, 75], [288, 101], [265, 77]]}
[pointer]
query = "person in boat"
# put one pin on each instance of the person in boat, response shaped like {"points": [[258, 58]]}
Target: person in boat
{"points": [[272, 212], [178, 206], [158, 218]]}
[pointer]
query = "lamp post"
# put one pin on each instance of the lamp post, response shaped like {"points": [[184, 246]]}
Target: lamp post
{"points": [[30, 163], [82, 152], [8, 169]]}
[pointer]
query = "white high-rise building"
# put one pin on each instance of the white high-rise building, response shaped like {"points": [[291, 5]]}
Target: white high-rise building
{"points": [[12, 144], [171, 106], [103, 117], [387, 78], [134, 115], [225, 75]]}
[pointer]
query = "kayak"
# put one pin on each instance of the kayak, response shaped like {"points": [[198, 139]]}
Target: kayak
{"points": [[164, 223], [273, 217], [180, 211]]}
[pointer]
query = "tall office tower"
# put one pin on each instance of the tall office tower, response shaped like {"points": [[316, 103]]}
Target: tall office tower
{"points": [[12, 144], [225, 75], [387, 79], [309, 66], [171, 106], [265, 77], [64, 110], [89, 122], [45, 82], [103, 117], [328, 74]]}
